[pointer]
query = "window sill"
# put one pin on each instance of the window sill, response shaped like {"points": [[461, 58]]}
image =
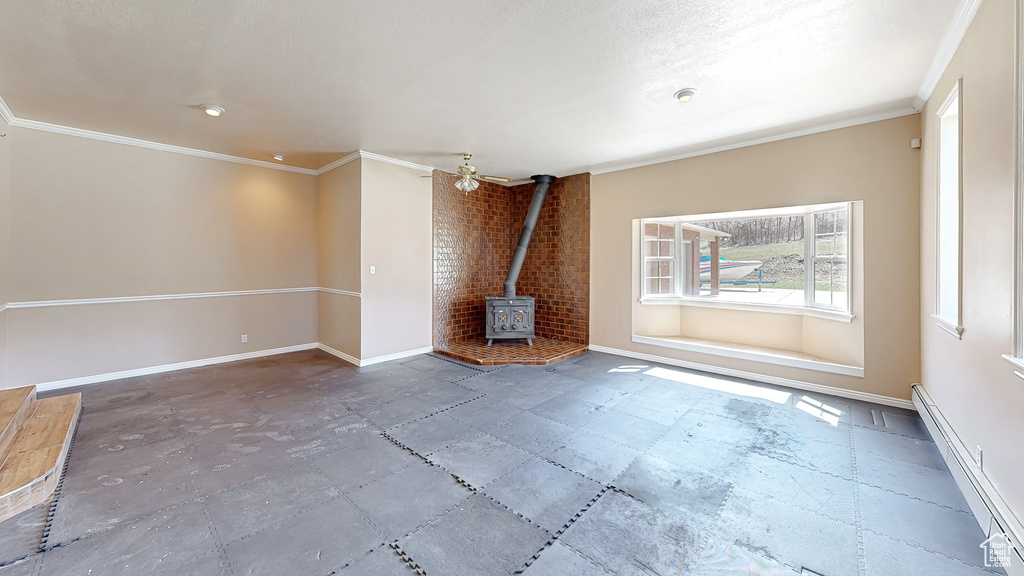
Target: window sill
{"points": [[957, 331], [1017, 363], [769, 308], [775, 356]]}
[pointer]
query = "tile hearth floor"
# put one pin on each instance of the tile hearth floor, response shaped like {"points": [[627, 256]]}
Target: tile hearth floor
{"points": [[302, 464], [514, 351]]}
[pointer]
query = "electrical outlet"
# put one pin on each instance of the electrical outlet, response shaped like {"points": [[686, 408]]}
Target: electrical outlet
{"points": [[245, 338], [978, 456]]}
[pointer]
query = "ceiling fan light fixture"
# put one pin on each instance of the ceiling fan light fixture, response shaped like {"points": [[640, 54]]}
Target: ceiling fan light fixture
{"points": [[466, 184], [685, 94], [279, 157], [212, 110]]}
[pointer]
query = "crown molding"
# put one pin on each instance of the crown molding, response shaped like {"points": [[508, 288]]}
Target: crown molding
{"points": [[856, 121], [371, 156], [11, 119], [337, 163], [103, 137], [6, 113], [395, 161], [138, 143], [965, 15]]}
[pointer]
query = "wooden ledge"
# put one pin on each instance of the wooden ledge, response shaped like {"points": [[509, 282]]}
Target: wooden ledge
{"points": [[16, 405], [36, 460]]}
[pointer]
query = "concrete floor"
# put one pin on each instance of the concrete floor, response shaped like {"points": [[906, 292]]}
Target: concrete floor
{"points": [[302, 464]]}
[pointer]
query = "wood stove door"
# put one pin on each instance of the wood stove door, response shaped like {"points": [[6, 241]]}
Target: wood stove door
{"points": [[520, 319], [501, 318]]}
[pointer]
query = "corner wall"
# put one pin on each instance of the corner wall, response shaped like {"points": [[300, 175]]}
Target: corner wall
{"points": [[5, 262], [871, 162], [338, 252], [97, 220], [473, 243], [395, 230], [557, 266], [475, 235], [975, 389]]}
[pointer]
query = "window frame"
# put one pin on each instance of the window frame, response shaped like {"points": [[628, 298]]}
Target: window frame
{"points": [[673, 258], [810, 307], [811, 247], [1016, 356], [954, 327]]}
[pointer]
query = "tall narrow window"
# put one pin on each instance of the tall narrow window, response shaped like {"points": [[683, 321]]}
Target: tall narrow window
{"points": [[659, 259], [948, 249], [829, 254]]}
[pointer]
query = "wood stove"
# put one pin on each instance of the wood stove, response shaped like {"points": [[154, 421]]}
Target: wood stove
{"points": [[512, 316]]}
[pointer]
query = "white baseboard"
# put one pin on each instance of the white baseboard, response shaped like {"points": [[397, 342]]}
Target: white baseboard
{"points": [[758, 356], [338, 353], [988, 506], [798, 384], [376, 359], [58, 384], [396, 356]]}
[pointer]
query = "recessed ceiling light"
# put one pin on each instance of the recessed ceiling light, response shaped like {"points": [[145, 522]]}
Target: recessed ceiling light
{"points": [[685, 94], [279, 157], [212, 110]]}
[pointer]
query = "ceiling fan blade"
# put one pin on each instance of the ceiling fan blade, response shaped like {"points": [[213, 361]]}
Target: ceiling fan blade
{"points": [[499, 179]]}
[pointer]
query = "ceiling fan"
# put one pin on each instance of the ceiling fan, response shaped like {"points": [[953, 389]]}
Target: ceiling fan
{"points": [[468, 178]]}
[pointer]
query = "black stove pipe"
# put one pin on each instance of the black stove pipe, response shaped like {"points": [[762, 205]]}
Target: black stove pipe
{"points": [[541, 192]]}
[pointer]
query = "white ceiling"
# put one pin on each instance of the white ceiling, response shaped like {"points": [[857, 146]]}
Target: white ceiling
{"points": [[528, 86]]}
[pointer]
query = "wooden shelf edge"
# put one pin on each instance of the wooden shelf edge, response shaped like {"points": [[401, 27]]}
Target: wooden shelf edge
{"points": [[18, 419], [37, 490]]}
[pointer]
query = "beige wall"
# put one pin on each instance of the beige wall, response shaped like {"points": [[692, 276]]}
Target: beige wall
{"points": [[91, 219], [338, 241], [338, 323], [872, 163], [95, 219], [338, 209], [65, 342], [5, 218], [396, 240], [972, 386], [5, 211]]}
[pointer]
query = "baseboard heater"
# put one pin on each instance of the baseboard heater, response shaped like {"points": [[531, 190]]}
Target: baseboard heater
{"points": [[991, 512]]}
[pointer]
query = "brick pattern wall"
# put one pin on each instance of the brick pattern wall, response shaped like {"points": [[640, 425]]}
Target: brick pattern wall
{"points": [[557, 267], [472, 246], [474, 237]]}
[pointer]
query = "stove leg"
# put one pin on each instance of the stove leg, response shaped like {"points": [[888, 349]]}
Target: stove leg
{"points": [[529, 341], [489, 340]]}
